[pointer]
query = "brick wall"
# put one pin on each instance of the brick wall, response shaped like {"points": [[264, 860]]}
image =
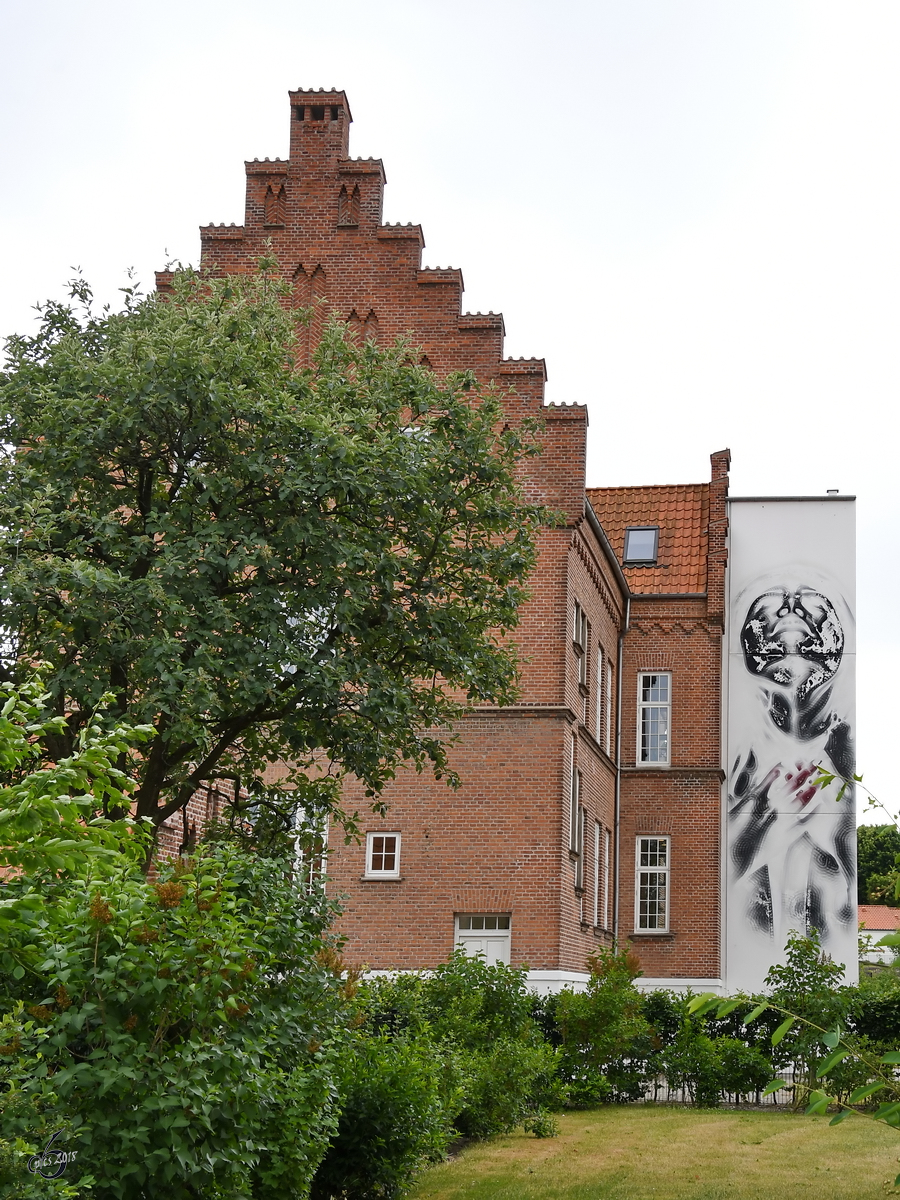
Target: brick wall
{"points": [[504, 841]]}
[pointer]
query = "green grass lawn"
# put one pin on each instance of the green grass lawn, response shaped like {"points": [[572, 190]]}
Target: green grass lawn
{"points": [[638, 1152]]}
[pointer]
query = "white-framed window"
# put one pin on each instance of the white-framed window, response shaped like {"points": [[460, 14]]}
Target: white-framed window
{"points": [[651, 892], [580, 638], [607, 716], [597, 838], [579, 850], [383, 855], [574, 807], [311, 846], [599, 698], [484, 933], [654, 712]]}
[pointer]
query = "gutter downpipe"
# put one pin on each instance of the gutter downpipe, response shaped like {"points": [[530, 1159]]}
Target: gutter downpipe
{"points": [[598, 529]]}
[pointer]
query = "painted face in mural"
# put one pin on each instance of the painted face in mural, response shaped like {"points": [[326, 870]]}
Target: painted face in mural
{"points": [[793, 638]]}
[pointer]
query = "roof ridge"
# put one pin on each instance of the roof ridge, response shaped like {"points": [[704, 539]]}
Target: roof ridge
{"points": [[647, 487]]}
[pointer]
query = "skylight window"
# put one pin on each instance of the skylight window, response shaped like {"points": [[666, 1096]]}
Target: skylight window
{"points": [[641, 542]]}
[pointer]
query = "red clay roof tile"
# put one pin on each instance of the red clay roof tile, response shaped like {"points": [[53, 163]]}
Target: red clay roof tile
{"points": [[879, 916], [682, 513]]}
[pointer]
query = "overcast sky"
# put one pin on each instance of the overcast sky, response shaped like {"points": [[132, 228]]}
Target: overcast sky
{"points": [[691, 208]]}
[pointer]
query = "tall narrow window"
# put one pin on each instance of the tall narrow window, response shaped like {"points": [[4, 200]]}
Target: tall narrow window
{"points": [[311, 842], [654, 709], [574, 804], [607, 716], [599, 698], [580, 644], [596, 873], [579, 851], [652, 884]]}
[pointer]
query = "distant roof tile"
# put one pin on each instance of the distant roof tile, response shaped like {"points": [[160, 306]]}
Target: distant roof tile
{"points": [[879, 916], [682, 513]]}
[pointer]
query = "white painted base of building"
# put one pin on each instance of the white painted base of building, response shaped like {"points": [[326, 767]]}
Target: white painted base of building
{"points": [[644, 984], [546, 983]]}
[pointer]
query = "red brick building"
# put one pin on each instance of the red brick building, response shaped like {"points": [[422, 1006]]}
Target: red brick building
{"points": [[592, 810]]}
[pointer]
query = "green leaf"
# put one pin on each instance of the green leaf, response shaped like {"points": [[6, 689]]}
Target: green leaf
{"points": [[892, 1056], [782, 1029], [818, 1103], [889, 939], [831, 1039], [757, 1012], [18, 971], [863, 1093], [697, 1002], [841, 1116], [775, 1086], [831, 1061], [702, 1004], [727, 1006]]}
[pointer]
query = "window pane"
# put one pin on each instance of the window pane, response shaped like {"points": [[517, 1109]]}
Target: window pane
{"points": [[655, 689], [654, 852], [655, 734], [640, 545], [483, 921]]}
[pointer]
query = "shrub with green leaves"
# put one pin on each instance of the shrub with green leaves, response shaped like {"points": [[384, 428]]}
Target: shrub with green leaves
{"points": [[186, 1028], [807, 985], [606, 1048], [397, 1099], [449, 1052]]}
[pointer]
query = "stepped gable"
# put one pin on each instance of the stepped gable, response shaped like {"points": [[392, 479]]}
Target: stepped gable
{"points": [[682, 513], [321, 212]]}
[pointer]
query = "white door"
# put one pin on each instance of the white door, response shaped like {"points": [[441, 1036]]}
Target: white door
{"points": [[486, 934]]}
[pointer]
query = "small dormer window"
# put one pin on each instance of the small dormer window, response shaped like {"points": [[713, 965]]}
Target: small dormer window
{"points": [[641, 543]]}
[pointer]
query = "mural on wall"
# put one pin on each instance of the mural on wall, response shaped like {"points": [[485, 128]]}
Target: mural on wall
{"points": [[791, 847]]}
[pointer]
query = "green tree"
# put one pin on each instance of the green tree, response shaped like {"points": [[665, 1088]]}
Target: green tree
{"points": [[877, 853], [261, 563]]}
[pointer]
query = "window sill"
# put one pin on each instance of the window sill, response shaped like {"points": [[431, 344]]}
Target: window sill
{"points": [[381, 878], [663, 935]]}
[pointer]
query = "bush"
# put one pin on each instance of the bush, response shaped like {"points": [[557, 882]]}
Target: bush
{"points": [[478, 1019], [506, 1086], [807, 985], [186, 1030], [606, 1049], [693, 1057], [396, 1108]]}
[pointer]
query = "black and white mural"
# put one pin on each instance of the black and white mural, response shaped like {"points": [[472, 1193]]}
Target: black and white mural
{"points": [[790, 846]]}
